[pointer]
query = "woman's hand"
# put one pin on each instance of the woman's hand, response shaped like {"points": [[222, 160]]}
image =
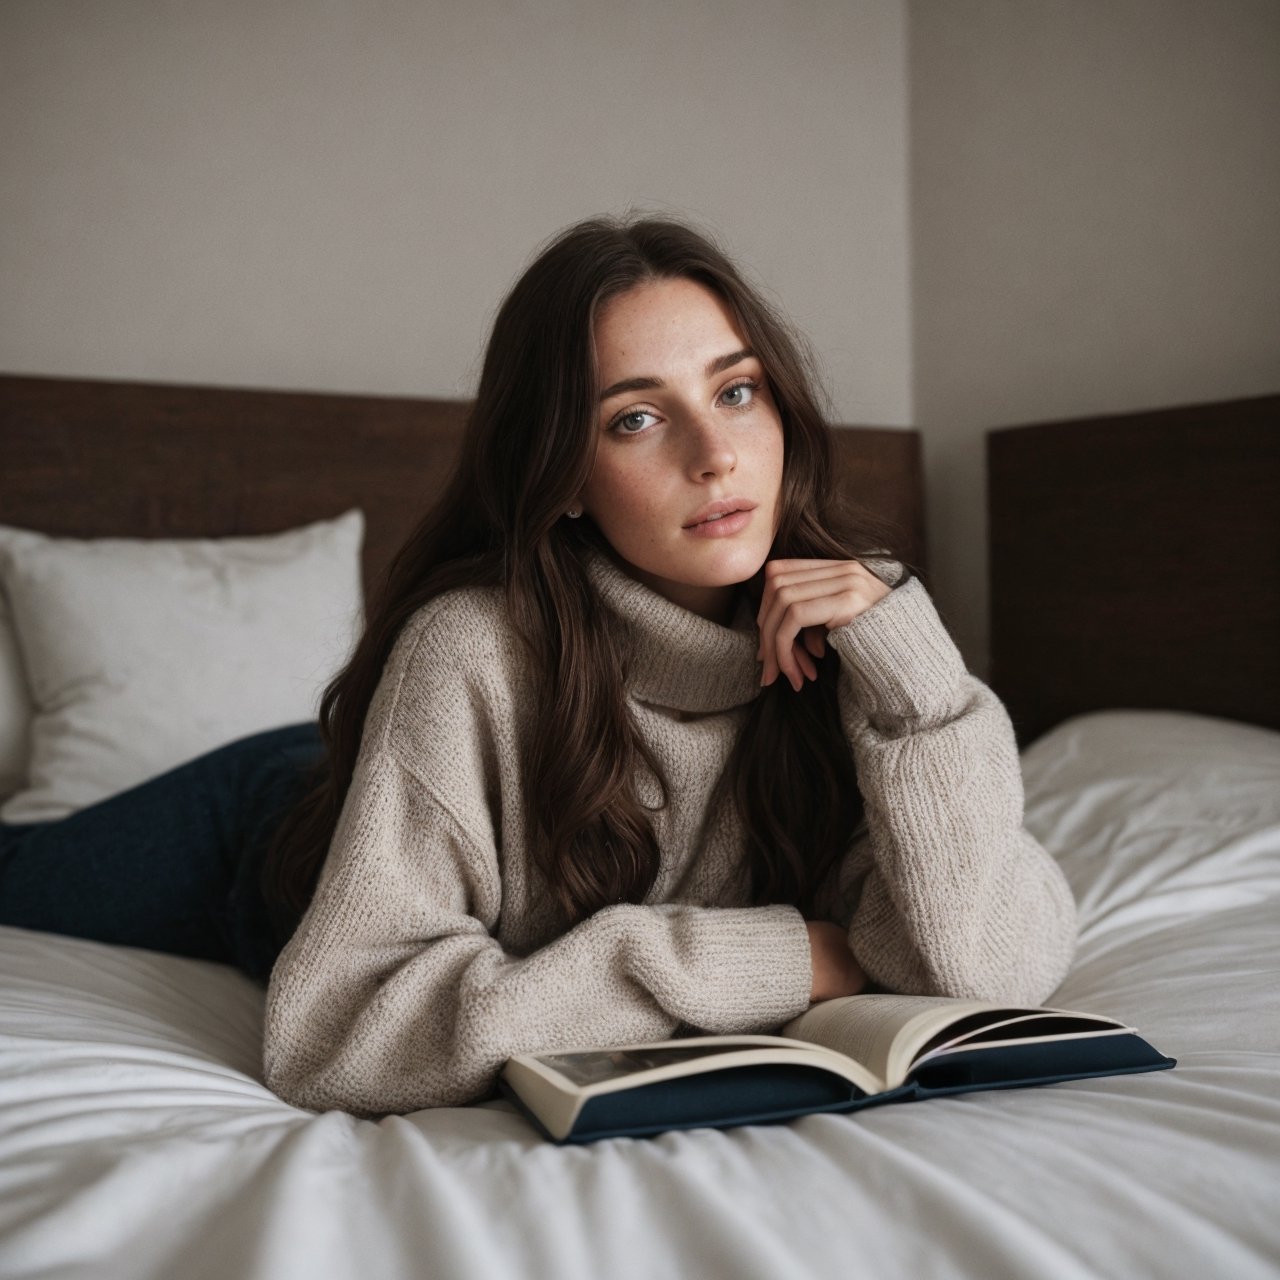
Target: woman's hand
{"points": [[802, 601], [835, 971]]}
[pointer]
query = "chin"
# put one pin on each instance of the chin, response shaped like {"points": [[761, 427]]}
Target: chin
{"points": [[738, 565]]}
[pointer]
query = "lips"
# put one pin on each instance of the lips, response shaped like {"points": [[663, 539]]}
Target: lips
{"points": [[715, 511]]}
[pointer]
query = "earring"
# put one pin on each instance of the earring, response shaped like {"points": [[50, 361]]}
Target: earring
{"points": [[573, 515]]}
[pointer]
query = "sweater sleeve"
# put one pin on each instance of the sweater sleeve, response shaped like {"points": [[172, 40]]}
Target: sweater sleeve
{"points": [[394, 994], [953, 896]]}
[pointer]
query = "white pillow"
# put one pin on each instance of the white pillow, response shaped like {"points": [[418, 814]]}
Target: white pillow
{"points": [[15, 698], [141, 654]]}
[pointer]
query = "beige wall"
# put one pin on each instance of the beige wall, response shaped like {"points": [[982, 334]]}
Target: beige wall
{"points": [[335, 196], [1095, 193]]}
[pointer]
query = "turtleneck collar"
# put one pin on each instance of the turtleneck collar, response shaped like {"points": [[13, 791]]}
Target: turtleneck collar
{"points": [[678, 658]]}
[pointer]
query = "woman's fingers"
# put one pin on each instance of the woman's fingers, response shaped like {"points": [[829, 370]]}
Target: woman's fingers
{"points": [[783, 652], [783, 590], [814, 641], [803, 659], [805, 663], [790, 624], [802, 600]]}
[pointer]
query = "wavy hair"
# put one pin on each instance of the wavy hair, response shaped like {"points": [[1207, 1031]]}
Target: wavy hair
{"points": [[527, 452]]}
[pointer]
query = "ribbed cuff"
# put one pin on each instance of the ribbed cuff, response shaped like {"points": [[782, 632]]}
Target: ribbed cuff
{"points": [[905, 667]]}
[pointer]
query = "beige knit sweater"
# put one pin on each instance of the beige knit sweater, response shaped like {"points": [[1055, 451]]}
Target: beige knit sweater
{"points": [[428, 956]]}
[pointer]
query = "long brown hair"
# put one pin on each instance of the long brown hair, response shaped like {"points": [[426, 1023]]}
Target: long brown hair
{"points": [[528, 450]]}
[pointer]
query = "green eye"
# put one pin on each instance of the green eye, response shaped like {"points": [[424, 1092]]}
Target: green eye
{"points": [[632, 423], [743, 393]]}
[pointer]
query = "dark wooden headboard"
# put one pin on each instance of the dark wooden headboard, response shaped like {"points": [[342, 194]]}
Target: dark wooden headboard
{"points": [[1135, 562], [96, 459]]}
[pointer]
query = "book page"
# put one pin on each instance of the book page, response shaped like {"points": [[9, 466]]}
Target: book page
{"points": [[592, 1066], [1024, 1030], [1016, 1028], [556, 1086], [864, 1027], [886, 1032]]}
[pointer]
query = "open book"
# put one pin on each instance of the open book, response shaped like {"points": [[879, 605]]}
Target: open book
{"points": [[841, 1055]]}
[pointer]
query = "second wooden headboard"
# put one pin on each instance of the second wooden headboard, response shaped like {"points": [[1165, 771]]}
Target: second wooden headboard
{"points": [[1135, 562]]}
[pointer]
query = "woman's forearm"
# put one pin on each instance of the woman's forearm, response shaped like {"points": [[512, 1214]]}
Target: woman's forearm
{"points": [[953, 895]]}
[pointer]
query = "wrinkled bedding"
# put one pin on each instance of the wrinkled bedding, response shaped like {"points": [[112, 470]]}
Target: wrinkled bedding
{"points": [[136, 1138]]}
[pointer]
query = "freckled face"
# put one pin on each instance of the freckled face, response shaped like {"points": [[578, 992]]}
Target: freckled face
{"points": [[686, 424]]}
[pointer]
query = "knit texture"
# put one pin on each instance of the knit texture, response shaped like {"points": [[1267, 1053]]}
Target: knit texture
{"points": [[430, 954]]}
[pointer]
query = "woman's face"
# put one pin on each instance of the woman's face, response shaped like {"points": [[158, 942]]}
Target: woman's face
{"points": [[686, 421]]}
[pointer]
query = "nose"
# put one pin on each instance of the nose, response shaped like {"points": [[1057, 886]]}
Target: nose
{"points": [[711, 451]]}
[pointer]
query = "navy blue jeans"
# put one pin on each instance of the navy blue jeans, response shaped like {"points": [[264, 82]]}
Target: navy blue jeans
{"points": [[172, 864]]}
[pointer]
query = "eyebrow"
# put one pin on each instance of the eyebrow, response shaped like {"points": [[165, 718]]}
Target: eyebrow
{"points": [[718, 365]]}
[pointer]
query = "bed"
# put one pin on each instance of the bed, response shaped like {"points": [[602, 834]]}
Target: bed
{"points": [[136, 1136]]}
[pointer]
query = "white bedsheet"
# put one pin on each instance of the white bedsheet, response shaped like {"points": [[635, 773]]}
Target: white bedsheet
{"points": [[137, 1140]]}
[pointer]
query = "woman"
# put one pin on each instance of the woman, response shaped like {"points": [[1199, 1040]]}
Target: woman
{"points": [[641, 737], [595, 769]]}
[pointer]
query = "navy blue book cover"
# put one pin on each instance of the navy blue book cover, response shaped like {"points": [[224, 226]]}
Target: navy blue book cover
{"points": [[775, 1092]]}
